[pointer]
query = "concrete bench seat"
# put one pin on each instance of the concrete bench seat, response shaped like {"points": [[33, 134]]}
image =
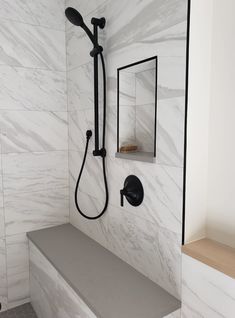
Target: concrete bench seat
{"points": [[107, 285]]}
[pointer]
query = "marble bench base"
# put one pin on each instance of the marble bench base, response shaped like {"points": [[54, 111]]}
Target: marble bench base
{"points": [[72, 276], [51, 296]]}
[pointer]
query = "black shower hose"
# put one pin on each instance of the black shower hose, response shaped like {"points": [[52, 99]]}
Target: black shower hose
{"points": [[88, 136]]}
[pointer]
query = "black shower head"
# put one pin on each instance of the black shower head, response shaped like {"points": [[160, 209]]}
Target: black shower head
{"points": [[74, 17]]}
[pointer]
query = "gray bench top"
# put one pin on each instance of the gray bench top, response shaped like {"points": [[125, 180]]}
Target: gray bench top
{"points": [[109, 286]]}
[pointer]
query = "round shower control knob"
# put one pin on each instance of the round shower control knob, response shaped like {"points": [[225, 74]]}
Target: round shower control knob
{"points": [[133, 191]]}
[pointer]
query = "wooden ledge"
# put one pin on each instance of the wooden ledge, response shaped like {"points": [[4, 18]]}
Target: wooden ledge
{"points": [[214, 254]]}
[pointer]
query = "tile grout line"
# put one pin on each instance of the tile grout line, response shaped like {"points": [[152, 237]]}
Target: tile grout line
{"points": [[68, 119], [4, 220]]}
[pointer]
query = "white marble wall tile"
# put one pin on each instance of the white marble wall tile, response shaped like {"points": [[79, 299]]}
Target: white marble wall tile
{"points": [[145, 127], [31, 46], [17, 269], [75, 57], [51, 296], [18, 289], [170, 131], [127, 124], [79, 122], [127, 88], [43, 284], [92, 207], [69, 305], [171, 77], [162, 202], [152, 250], [2, 219], [29, 131], [163, 195], [32, 89], [30, 172], [80, 88], [17, 254], [111, 126], [175, 314], [26, 212], [117, 171], [126, 21], [206, 292], [39, 300], [3, 274], [33, 118], [16, 10], [48, 13], [92, 178], [146, 86]]}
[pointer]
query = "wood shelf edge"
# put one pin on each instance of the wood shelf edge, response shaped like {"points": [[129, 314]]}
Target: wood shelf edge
{"points": [[213, 254]]}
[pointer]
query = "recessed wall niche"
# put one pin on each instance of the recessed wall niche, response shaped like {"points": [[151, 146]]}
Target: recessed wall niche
{"points": [[137, 103]]}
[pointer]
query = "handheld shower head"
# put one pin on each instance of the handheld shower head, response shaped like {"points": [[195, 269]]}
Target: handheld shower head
{"points": [[74, 16]]}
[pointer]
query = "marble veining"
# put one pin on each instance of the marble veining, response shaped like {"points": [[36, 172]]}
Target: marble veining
{"points": [[81, 88], [159, 14], [2, 219], [18, 289], [47, 13], [145, 127], [34, 12], [31, 46], [79, 122], [170, 131], [145, 87], [32, 89], [3, 274], [22, 210], [69, 304], [206, 292], [127, 124], [17, 254], [51, 295], [43, 284], [33, 131], [33, 134], [30, 172], [89, 184]]}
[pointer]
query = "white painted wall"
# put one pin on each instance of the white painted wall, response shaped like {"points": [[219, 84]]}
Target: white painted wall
{"points": [[221, 173], [210, 202], [198, 118]]}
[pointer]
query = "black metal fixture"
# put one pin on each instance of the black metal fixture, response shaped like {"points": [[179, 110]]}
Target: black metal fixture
{"points": [[76, 18], [133, 191]]}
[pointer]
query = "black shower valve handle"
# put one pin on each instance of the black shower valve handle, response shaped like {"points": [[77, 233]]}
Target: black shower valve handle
{"points": [[122, 193], [133, 191]]}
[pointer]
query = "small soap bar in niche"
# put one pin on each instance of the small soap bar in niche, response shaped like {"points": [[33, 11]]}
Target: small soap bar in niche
{"points": [[129, 147]]}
